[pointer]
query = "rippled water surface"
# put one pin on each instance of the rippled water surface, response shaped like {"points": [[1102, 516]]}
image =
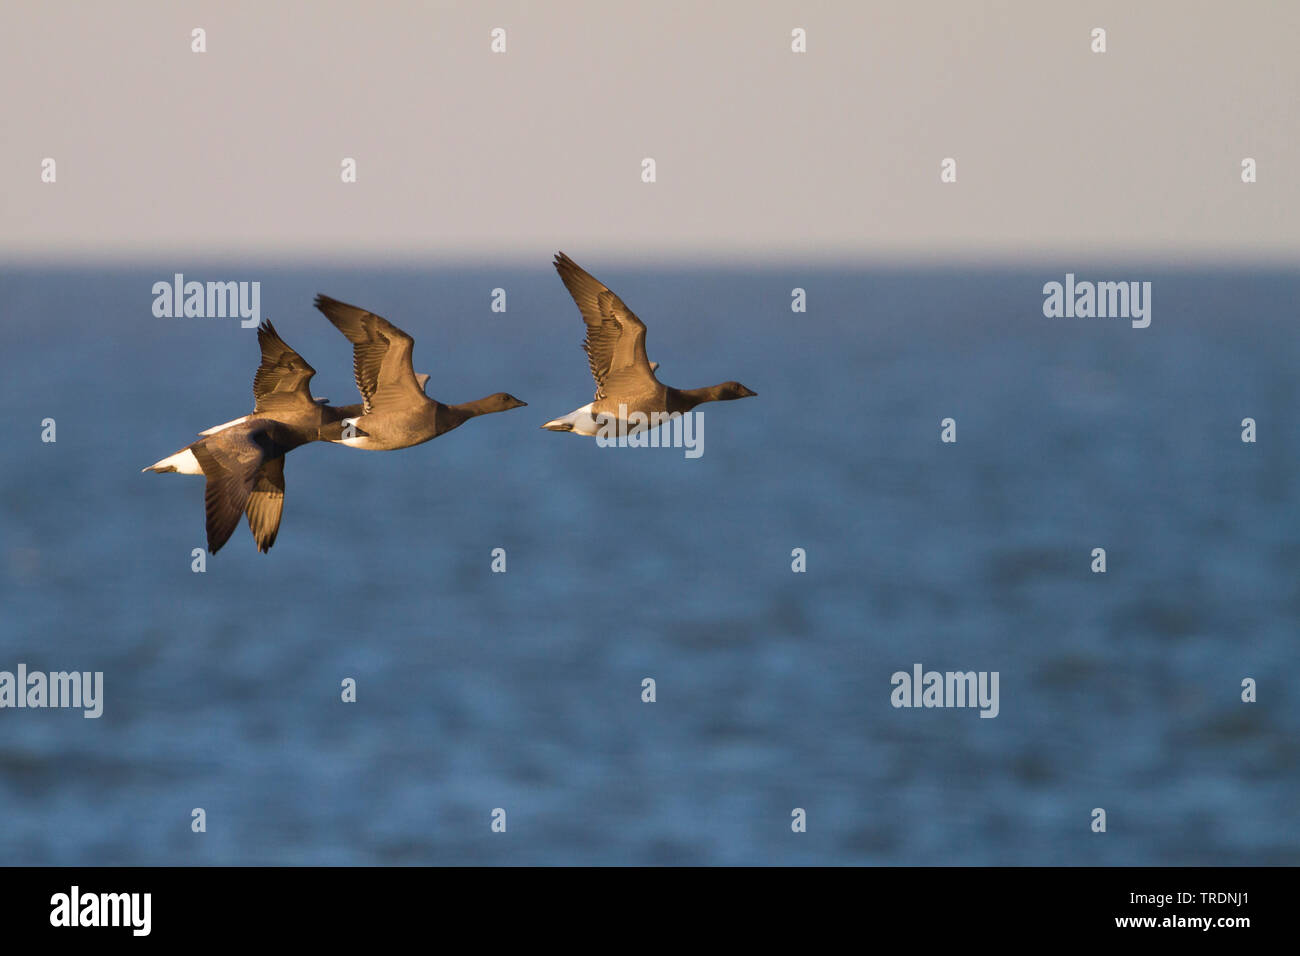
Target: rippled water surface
{"points": [[523, 690]]}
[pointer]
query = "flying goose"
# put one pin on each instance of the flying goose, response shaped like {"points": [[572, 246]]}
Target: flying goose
{"points": [[625, 379], [395, 412], [243, 459]]}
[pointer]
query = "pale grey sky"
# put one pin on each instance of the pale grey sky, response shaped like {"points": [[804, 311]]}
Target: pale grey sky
{"points": [[760, 152]]}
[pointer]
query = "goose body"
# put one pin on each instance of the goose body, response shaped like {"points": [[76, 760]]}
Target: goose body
{"points": [[243, 459], [624, 375], [395, 412], [244, 468]]}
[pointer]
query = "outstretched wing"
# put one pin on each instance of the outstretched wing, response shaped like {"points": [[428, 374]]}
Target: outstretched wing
{"points": [[230, 480], [266, 504], [615, 343], [381, 355], [282, 381]]}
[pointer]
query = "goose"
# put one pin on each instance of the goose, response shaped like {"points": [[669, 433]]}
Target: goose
{"points": [[625, 377], [395, 411], [244, 468], [243, 459]]}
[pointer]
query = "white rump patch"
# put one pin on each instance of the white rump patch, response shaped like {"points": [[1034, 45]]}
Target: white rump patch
{"points": [[361, 441], [221, 428], [357, 441], [580, 421], [182, 462]]}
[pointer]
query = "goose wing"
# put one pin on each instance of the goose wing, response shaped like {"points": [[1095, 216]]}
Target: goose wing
{"points": [[381, 355], [265, 504], [282, 381], [615, 342]]}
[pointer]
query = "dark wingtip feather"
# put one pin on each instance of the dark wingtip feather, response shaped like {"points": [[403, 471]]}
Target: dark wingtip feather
{"points": [[224, 498]]}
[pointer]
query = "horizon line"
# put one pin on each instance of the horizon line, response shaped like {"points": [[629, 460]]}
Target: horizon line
{"points": [[659, 256]]}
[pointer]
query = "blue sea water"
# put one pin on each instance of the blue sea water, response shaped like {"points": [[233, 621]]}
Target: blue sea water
{"points": [[522, 690]]}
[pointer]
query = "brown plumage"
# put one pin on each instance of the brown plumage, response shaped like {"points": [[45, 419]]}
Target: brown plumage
{"points": [[395, 411], [616, 353], [243, 460]]}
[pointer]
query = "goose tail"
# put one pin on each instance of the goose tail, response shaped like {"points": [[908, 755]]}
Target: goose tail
{"points": [[183, 462]]}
